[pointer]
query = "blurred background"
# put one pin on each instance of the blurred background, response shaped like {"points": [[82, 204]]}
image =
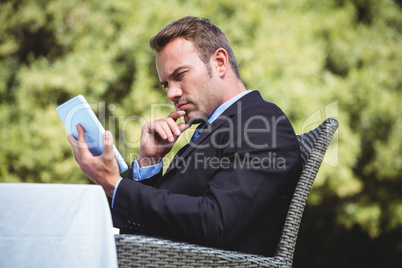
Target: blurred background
{"points": [[314, 59]]}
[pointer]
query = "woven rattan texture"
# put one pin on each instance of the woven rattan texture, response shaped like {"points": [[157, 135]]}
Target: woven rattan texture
{"points": [[145, 251]]}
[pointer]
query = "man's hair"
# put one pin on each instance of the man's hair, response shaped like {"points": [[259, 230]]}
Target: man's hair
{"points": [[206, 37]]}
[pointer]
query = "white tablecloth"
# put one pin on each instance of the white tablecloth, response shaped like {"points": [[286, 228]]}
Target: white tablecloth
{"points": [[55, 225]]}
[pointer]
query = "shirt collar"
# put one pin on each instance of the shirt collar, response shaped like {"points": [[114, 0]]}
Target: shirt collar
{"points": [[226, 105]]}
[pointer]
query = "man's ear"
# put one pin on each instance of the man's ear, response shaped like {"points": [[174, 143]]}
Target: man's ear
{"points": [[220, 61]]}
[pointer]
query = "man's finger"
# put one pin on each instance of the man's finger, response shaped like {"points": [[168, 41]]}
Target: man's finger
{"points": [[177, 114], [81, 143], [81, 133], [160, 130], [173, 127], [72, 140], [74, 145], [108, 149], [183, 126], [107, 143]]}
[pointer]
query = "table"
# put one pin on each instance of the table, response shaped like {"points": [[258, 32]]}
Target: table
{"points": [[55, 225]]}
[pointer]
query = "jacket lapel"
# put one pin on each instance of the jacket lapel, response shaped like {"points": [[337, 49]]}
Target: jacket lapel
{"points": [[235, 108]]}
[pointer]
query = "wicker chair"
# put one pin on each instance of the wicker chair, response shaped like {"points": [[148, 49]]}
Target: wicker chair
{"points": [[145, 251]]}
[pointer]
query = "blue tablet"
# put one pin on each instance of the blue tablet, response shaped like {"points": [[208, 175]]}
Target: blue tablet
{"points": [[77, 111]]}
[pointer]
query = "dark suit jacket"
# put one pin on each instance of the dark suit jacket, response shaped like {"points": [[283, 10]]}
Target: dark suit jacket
{"points": [[229, 189]]}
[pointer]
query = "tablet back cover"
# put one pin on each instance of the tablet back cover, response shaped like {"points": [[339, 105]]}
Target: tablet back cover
{"points": [[77, 111]]}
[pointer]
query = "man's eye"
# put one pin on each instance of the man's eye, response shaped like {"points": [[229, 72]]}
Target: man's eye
{"points": [[179, 75], [164, 85]]}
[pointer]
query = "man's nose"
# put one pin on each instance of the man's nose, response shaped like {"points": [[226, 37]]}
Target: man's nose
{"points": [[174, 91]]}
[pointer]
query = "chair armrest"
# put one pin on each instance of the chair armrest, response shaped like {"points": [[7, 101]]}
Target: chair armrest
{"points": [[146, 251]]}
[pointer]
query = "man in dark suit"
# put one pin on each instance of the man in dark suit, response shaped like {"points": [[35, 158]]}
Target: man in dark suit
{"points": [[231, 186]]}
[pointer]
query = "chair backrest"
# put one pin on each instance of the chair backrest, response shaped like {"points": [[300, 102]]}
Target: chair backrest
{"points": [[313, 145]]}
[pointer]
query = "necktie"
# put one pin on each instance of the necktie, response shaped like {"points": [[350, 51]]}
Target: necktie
{"points": [[198, 132]]}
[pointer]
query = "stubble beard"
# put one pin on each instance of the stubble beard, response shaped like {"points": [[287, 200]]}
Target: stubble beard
{"points": [[206, 105], [204, 108]]}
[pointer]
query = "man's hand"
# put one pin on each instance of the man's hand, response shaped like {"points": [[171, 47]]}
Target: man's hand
{"points": [[158, 138], [103, 169]]}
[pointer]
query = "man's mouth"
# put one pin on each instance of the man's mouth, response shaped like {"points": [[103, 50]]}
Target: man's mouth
{"points": [[182, 105]]}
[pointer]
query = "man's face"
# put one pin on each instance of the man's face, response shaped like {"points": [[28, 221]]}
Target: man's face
{"points": [[190, 85]]}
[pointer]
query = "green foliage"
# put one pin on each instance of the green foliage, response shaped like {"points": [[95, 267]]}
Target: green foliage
{"points": [[315, 59]]}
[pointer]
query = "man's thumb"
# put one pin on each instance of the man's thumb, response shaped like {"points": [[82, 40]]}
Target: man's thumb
{"points": [[107, 142]]}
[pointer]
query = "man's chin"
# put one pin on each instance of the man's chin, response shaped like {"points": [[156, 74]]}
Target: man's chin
{"points": [[194, 120]]}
